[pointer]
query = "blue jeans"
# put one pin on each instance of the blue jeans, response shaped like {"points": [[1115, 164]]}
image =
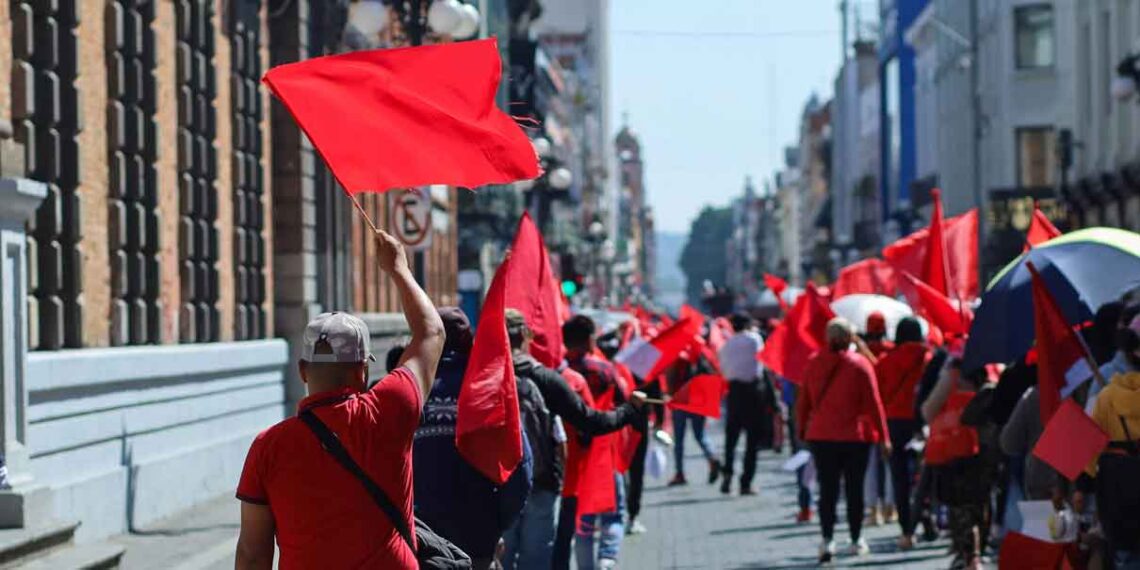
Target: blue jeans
{"points": [[680, 420], [531, 538], [612, 529]]}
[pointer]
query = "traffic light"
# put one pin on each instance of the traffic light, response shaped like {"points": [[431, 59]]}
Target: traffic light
{"points": [[572, 281]]}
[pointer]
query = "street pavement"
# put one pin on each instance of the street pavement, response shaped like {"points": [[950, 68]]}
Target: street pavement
{"points": [[689, 527]]}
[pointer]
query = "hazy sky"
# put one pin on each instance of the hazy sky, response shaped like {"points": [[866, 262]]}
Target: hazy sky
{"points": [[714, 90]]}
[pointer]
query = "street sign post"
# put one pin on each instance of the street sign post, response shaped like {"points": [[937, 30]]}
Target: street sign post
{"points": [[410, 218]]}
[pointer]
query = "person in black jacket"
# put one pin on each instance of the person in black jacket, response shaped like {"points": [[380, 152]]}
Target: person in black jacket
{"points": [[530, 541]]}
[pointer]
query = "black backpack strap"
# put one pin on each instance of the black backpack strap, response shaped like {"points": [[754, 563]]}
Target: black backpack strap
{"points": [[331, 443], [1129, 443]]}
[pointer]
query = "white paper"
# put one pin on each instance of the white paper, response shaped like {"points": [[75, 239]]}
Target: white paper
{"points": [[796, 461], [639, 357], [1041, 521]]}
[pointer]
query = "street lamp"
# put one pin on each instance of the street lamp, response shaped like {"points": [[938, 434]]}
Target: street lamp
{"points": [[560, 178], [1127, 78], [417, 17]]}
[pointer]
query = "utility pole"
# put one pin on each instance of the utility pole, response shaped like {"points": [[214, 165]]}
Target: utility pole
{"points": [[976, 104]]}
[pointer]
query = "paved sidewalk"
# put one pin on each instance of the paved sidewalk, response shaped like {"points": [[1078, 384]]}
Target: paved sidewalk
{"points": [[202, 538]]}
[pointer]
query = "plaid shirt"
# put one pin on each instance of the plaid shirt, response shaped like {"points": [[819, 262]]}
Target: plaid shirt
{"points": [[600, 375]]}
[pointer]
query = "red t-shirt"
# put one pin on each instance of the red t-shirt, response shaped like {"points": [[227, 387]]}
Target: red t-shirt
{"points": [[324, 517]]}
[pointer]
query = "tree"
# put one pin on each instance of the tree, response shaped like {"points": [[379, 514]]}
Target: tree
{"points": [[704, 257]]}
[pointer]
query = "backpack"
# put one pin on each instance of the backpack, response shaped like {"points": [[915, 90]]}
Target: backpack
{"points": [[538, 426], [1117, 494], [434, 551]]}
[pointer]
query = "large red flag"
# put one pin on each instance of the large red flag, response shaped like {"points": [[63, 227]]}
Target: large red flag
{"points": [[648, 359], [700, 395], [532, 290], [778, 286], [1041, 229], [1061, 357], [487, 430], [938, 309], [935, 267], [871, 276], [960, 234], [801, 333], [398, 118]]}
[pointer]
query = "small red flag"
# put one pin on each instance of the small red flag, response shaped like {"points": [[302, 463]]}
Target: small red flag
{"points": [[939, 310], [1060, 353], [533, 291], [1041, 229], [408, 117], [700, 396], [487, 430], [870, 276], [778, 286], [960, 234], [935, 267], [1071, 441], [798, 335], [648, 359], [1019, 551]]}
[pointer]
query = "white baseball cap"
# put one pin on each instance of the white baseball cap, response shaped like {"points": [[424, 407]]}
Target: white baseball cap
{"points": [[345, 335]]}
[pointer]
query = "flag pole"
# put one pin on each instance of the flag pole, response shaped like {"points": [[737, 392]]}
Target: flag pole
{"points": [[364, 214]]}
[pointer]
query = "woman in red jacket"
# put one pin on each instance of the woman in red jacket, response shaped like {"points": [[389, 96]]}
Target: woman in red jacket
{"points": [[841, 416], [898, 373]]}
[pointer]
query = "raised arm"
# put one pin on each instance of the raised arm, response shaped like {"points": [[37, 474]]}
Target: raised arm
{"points": [[424, 349]]}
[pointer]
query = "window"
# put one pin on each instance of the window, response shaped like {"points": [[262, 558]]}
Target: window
{"points": [[1036, 157], [133, 227], [1033, 32], [893, 135]]}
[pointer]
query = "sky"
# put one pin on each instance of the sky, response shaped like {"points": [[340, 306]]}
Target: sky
{"points": [[714, 90]]}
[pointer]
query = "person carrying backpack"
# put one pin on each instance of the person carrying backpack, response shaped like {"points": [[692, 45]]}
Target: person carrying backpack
{"points": [[1117, 412]]}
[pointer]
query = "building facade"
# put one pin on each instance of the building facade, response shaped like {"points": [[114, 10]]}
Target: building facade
{"points": [[897, 114], [634, 265], [855, 156]]}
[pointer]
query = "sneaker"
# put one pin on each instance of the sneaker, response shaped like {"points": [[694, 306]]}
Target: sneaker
{"points": [[607, 564], [826, 551], [714, 471], [859, 548], [804, 516], [747, 491], [726, 485], [890, 514], [663, 438], [875, 518], [905, 542], [678, 480], [635, 527]]}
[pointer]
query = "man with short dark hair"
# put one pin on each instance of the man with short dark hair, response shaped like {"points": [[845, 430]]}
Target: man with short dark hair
{"points": [[751, 401], [294, 491]]}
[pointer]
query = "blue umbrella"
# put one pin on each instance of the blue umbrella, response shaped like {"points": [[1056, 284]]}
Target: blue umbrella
{"points": [[1083, 270]]}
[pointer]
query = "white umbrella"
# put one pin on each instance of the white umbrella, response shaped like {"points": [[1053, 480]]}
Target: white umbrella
{"points": [[856, 308]]}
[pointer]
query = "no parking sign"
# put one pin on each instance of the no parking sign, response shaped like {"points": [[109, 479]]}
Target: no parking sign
{"points": [[410, 217]]}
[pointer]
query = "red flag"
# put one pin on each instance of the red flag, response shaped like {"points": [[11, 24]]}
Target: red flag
{"points": [[935, 267], [938, 309], [960, 234], [487, 430], [871, 276], [399, 118], [700, 396], [1041, 229], [1019, 551], [532, 290], [1070, 441], [596, 488], [778, 286], [1060, 353], [801, 333], [648, 359], [688, 311]]}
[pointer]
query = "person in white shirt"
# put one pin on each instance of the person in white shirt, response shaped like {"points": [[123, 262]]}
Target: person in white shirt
{"points": [[751, 401]]}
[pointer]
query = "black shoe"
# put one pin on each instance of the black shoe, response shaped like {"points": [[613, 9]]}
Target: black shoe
{"points": [[678, 480], [714, 471], [747, 491], [726, 485]]}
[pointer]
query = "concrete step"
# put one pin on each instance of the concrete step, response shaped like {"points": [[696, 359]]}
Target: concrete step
{"points": [[20, 544], [97, 556]]}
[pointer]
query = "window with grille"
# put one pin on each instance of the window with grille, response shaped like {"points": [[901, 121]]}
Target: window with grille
{"points": [[248, 175], [133, 226], [197, 171], [45, 104]]}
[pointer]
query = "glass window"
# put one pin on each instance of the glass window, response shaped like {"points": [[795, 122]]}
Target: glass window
{"points": [[1033, 32], [892, 111], [1036, 157]]}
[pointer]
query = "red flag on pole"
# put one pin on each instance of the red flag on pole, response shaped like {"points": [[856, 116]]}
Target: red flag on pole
{"points": [[1070, 441], [778, 286], [935, 266], [870, 276], [533, 291], [938, 309], [648, 359], [1061, 357], [487, 430], [1041, 229], [408, 117], [960, 234], [700, 395], [801, 333]]}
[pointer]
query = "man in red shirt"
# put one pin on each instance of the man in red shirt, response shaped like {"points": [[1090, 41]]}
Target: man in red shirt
{"points": [[293, 490]]}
